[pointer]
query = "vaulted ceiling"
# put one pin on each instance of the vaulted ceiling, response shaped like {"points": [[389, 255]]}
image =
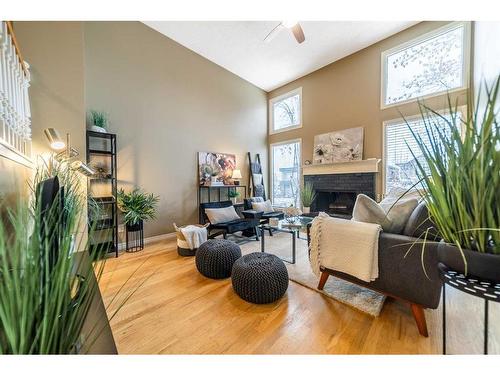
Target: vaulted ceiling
{"points": [[239, 46]]}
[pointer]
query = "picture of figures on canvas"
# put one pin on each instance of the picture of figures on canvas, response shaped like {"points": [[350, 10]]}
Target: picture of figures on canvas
{"points": [[216, 169], [339, 146]]}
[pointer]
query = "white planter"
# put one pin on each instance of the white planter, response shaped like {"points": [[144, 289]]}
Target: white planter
{"points": [[213, 180], [306, 210], [98, 129], [234, 200]]}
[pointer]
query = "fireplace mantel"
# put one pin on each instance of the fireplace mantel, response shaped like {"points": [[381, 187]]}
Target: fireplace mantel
{"points": [[358, 166]]}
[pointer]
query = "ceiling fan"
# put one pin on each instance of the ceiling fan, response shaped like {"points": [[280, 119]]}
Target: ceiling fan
{"points": [[293, 26]]}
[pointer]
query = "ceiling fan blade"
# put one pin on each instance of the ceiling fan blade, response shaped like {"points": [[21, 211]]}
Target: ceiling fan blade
{"points": [[298, 33], [272, 34]]}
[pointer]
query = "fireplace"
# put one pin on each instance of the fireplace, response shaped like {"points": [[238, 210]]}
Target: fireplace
{"points": [[336, 193], [335, 203]]}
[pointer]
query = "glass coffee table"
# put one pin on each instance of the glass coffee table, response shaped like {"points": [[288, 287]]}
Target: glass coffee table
{"points": [[286, 226]]}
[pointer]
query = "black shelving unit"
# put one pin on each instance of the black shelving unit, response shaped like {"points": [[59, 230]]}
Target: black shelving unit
{"points": [[102, 190]]}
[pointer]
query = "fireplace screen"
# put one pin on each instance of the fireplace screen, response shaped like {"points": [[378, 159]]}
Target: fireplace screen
{"points": [[336, 203]]}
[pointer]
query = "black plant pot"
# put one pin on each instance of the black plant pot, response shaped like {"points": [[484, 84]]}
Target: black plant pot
{"points": [[481, 265], [134, 236]]}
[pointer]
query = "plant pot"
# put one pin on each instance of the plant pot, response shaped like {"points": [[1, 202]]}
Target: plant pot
{"points": [[306, 210], [135, 227], [481, 265], [213, 180], [233, 200], [98, 129]]}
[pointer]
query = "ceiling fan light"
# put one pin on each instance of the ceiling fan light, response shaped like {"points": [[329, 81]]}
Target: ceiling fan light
{"points": [[289, 23]]}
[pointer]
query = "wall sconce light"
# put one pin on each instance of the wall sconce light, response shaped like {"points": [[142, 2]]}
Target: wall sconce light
{"points": [[55, 140], [82, 168], [66, 151]]}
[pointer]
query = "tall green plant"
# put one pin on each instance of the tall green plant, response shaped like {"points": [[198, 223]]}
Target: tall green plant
{"points": [[460, 171], [307, 195], [137, 205], [44, 298]]}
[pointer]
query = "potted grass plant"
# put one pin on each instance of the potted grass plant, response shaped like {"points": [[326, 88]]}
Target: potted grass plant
{"points": [[459, 170], [98, 121], [137, 207], [307, 195], [48, 285]]}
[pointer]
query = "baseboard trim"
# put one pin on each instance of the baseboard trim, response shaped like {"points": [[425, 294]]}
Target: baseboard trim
{"points": [[152, 239]]}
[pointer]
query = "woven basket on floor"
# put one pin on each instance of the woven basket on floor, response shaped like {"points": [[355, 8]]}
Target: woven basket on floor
{"points": [[182, 248]]}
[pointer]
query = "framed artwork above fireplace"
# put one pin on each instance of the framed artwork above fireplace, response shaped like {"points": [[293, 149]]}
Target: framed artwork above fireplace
{"points": [[338, 146]]}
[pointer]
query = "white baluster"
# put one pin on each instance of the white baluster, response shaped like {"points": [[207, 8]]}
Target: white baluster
{"points": [[15, 113]]}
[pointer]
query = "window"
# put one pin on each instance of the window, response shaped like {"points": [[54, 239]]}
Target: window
{"points": [[430, 65], [285, 167], [285, 111], [399, 163]]}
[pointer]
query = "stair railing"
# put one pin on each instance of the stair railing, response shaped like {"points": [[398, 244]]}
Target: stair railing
{"points": [[15, 113]]}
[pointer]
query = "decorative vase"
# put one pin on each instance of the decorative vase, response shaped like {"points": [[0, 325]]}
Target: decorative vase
{"points": [[306, 210], [482, 265], [98, 129]]}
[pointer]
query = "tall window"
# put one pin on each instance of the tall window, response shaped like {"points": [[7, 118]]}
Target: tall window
{"points": [[285, 111], [400, 165], [285, 167], [429, 65]]}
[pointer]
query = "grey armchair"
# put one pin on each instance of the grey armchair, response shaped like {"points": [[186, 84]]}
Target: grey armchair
{"points": [[401, 273]]}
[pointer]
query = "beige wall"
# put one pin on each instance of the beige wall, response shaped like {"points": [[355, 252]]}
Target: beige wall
{"points": [[166, 103], [346, 94], [55, 53]]}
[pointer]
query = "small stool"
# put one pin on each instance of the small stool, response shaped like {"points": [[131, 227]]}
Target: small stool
{"points": [[215, 258], [260, 278]]}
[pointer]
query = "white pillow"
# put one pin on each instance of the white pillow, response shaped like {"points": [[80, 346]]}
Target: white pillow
{"points": [[221, 215], [392, 220], [263, 206], [257, 179]]}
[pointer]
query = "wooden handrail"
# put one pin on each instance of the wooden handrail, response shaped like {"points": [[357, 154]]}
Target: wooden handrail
{"points": [[10, 30]]}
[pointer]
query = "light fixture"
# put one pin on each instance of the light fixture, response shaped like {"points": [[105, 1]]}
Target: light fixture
{"points": [[64, 155], [66, 152], [82, 168], [289, 23], [55, 140], [236, 175]]}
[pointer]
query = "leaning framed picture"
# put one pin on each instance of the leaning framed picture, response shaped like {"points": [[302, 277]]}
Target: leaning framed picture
{"points": [[215, 168]]}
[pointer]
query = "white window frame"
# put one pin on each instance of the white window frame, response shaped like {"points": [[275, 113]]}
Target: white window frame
{"points": [[271, 111], [385, 124], [432, 34], [271, 160]]}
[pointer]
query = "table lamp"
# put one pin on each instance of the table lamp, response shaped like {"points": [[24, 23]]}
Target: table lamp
{"points": [[236, 176]]}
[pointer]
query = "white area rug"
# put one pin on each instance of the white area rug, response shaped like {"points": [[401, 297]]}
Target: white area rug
{"points": [[280, 244]]}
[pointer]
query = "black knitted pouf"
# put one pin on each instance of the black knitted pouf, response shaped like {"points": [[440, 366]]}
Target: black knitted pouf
{"points": [[260, 278], [215, 258]]}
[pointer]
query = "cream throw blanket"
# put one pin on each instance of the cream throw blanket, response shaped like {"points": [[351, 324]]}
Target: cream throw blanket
{"points": [[194, 236], [343, 245]]}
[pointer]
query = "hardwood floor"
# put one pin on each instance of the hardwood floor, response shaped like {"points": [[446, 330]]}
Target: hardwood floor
{"points": [[176, 310]]}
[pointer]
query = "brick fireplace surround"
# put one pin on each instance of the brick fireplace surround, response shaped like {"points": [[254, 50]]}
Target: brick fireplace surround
{"points": [[336, 193]]}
